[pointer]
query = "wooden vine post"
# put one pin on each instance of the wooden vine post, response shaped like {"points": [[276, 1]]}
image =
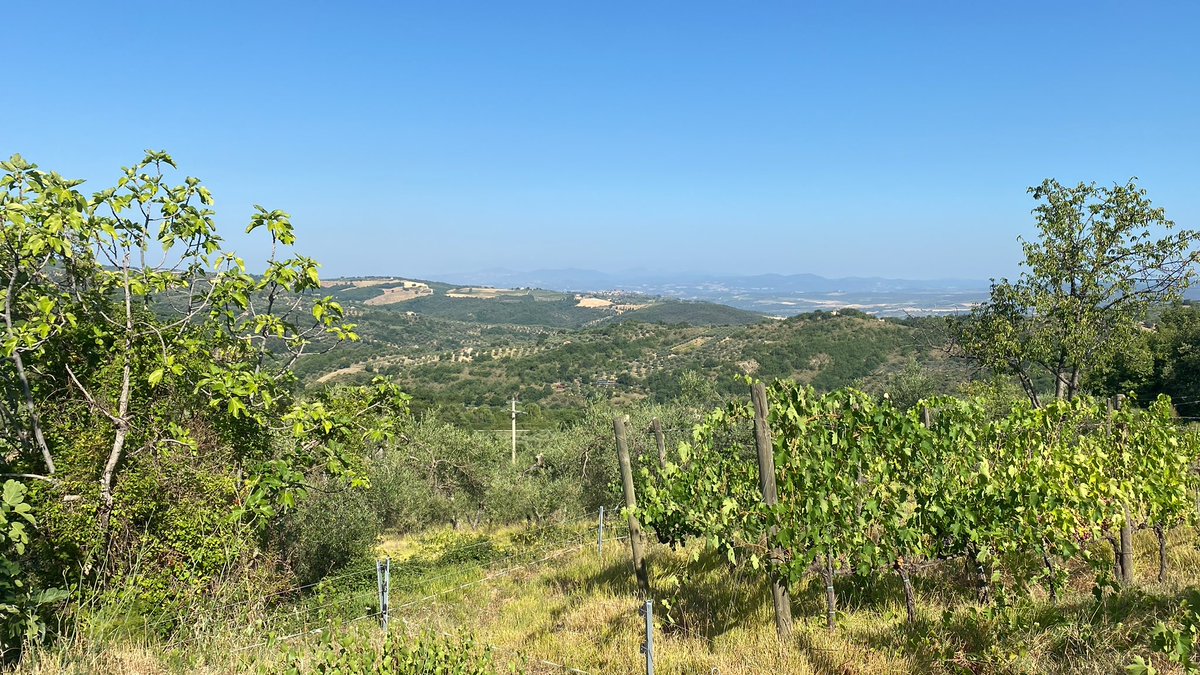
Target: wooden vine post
{"points": [[1125, 553], [635, 528], [766, 479], [656, 427]]}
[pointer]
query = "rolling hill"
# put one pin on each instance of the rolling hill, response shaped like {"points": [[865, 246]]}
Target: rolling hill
{"points": [[659, 351]]}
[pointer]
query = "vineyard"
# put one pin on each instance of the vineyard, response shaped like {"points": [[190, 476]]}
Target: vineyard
{"points": [[1027, 498], [187, 488]]}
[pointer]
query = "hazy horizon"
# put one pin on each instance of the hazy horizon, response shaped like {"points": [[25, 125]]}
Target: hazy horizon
{"points": [[642, 272]]}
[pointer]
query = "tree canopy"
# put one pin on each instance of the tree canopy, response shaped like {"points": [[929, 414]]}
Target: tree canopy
{"points": [[1103, 257]]}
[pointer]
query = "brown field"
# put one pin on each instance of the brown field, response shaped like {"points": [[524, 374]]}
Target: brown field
{"points": [[392, 296], [592, 303]]}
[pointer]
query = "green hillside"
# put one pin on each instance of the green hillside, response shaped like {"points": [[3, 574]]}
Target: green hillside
{"points": [[472, 370], [692, 313], [469, 349], [445, 324]]}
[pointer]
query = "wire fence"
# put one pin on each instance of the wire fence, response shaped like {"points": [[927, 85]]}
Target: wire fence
{"points": [[476, 565]]}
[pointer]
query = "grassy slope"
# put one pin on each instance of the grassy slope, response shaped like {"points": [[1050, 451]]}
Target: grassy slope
{"points": [[583, 614], [578, 610]]}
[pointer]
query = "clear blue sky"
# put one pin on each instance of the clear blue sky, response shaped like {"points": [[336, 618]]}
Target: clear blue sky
{"points": [[892, 138]]}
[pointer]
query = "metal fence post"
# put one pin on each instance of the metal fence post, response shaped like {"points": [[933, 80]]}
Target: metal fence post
{"points": [[379, 585], [600, 535], [648, 647], [387, 591]]}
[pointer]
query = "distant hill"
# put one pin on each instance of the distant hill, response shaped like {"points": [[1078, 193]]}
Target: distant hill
{"points": [[573, 279], [477, 367], [691, 313], [404, 323], [528, 306], [470, 348]]}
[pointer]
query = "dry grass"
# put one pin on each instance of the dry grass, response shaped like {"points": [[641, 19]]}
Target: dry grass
{"points": [[581, 611]]}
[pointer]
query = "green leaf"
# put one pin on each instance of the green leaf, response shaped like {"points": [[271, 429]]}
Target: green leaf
{"points": [[14, 492]]}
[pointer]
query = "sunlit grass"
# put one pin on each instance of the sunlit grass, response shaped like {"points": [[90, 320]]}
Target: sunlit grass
{"points": [[551, 601]]}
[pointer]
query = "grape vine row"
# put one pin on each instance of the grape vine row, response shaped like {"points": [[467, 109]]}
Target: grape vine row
{"points": [[1022, 495]]}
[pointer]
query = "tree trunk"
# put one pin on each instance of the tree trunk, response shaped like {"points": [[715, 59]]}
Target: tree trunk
{"points": [[1118, 573], [1051, 582], [910, 605], [122, 414], [830, 594], [1126, 550], [660, 441], [1029, 387], [1161, 533], [975, 571], [35, 421], [1060, 376]]}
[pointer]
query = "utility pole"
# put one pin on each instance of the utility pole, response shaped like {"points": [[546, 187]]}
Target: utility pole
{"points": [[514, 429]]}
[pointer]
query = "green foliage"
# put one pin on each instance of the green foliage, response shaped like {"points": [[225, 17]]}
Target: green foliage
{"points": [[1104, 256], [867, 486], [1140, 666], [905, 388], [1177, 639], [333, 528], [1164, 359], [437, 473], [21, 604], [147, 373], [351, 654]]}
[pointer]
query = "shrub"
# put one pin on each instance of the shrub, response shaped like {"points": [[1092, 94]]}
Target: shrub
{"points": [[21, 605], [352, 654], [332, 529]]}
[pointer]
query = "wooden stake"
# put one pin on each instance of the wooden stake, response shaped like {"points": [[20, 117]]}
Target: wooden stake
{"points": [[1161, 533], [766, 479], [662, 444], [635, 528], [1126, 567]]}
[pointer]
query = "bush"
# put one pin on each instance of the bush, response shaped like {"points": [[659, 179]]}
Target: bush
{"points": [[21, 605], [332, 529]]}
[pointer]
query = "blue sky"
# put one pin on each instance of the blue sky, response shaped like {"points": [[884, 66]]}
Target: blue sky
{"points": [[890, 139]]}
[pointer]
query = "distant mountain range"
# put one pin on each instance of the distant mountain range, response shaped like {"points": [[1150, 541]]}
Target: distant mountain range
{"points": [[773, 294], [571, 279]]}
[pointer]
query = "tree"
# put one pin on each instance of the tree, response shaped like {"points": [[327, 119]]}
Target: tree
{"points": [[1164, 360], [130, 333], [1104, 255]]}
